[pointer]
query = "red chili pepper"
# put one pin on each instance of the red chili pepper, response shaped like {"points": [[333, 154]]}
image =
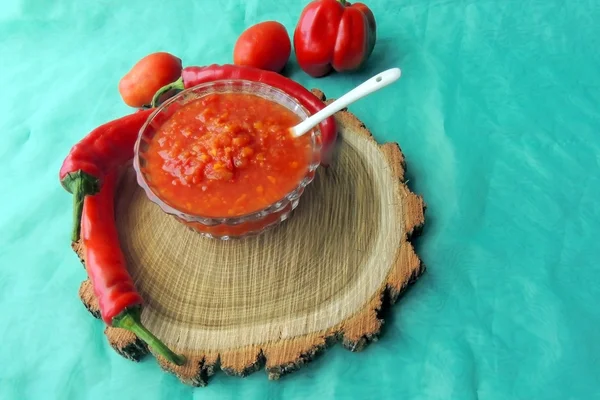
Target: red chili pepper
{"points": [[101, 151], [192, 76], [334, 34], [120, 303]]}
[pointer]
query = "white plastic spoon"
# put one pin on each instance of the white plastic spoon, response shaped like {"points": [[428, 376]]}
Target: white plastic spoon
{"points": [[371, 85]]}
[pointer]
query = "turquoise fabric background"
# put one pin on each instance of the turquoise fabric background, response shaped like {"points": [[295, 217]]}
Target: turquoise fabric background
{"points": [[497, 115]]}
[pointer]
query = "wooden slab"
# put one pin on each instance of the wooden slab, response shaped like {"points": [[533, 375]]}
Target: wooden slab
{"points": [[279, 298]]}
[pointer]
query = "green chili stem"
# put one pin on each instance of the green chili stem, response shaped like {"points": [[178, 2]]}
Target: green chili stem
{"points": [[130, 320], [79, 184], [78, 197]]}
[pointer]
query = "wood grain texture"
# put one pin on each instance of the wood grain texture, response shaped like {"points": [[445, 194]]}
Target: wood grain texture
{"points": [[278, 299]]}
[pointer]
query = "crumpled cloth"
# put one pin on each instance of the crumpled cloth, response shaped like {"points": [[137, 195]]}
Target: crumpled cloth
{"points": [[497, 115]]}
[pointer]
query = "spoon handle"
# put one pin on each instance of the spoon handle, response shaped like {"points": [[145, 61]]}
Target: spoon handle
{"points": [[369, 86]]}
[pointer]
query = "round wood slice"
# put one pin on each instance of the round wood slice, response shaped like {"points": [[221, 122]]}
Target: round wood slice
{"points": [[278, 298]]}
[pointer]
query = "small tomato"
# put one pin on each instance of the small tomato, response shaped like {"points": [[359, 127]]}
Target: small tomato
{"points": [[265, 45], [148, 75]]}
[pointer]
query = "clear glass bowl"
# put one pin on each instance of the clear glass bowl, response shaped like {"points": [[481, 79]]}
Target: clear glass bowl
{"points": [[226, 227]]}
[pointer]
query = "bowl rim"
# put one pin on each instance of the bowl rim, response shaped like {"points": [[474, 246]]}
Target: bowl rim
{"points": [[257, 215]]}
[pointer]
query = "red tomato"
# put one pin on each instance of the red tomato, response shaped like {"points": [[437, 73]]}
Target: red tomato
{"points": [[148, 75], [265, 45]]}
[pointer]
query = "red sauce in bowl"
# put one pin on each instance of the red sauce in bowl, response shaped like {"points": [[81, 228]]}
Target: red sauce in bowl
{"points": [[226, 155]]}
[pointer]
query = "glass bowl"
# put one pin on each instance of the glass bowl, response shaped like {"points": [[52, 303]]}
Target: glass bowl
{"points": [[237, 226]]}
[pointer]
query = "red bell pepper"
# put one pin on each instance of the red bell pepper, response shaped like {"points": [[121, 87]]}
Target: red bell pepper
{"points": [[334, 34]]}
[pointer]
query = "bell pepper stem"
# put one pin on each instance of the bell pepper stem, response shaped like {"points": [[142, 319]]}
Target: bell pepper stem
{"points": [[178, 85], [130, 319]]}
